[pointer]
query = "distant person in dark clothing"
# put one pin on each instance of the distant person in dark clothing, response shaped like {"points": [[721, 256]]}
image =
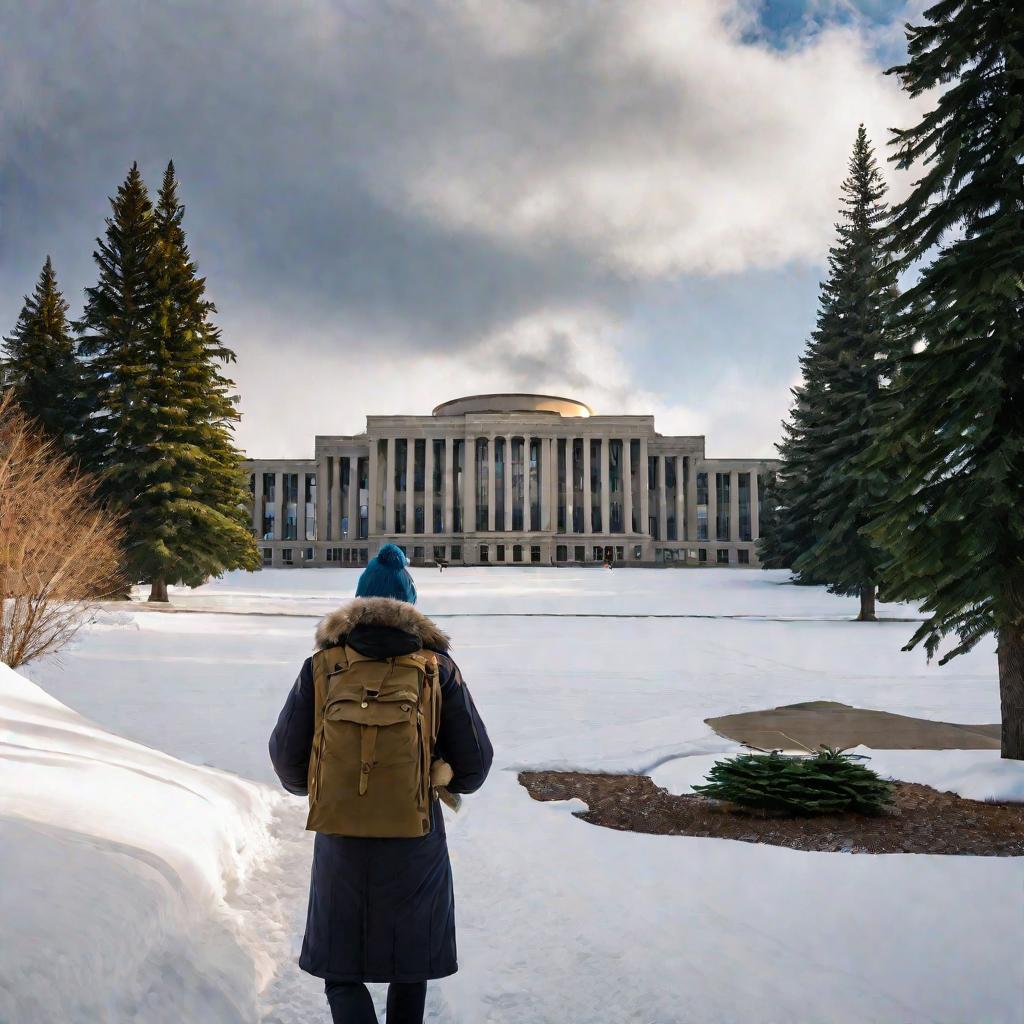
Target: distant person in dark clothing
{"points": [[382, 909]]}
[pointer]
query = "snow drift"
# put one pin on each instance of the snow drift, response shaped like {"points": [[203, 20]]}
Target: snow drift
{"points": [[116, 862]]}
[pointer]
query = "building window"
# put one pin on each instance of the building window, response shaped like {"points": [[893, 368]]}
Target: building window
{"points": [[456, 552], [580, 553], [722, 495], [436, 502], [286, 556], [484, 553], [722, 556], [501, 553], [595, 486], [438, 552], [400, 516], [499, 483], [743, 556], [561, 553], [620, 553], [419, 467], [743, 487], [597, 553], [363, 555], [517, 552], [482, 460], [702, 506], [533, 490], [702, 554], [268, 556], [420, 523], [290, 485], [307, 554], [577, 485], [535, 553], [309, 505], [417, 555], [638, 552], [518, 483], [562, 478], [634, 483], [363, 473], [458, 452], [269, 504], [615, 493]]}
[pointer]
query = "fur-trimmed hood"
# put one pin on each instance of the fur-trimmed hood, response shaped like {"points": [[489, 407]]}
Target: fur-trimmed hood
{"points": [[379, 611]]}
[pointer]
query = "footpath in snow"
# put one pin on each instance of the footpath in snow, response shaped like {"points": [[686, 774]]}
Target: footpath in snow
{"points": [[560, 921]]}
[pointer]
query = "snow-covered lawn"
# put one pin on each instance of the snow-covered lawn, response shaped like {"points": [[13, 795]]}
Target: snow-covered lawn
{"points": [[560, 921]]}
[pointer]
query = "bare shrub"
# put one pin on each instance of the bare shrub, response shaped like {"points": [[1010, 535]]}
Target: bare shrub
{"points": [[60, 552]]}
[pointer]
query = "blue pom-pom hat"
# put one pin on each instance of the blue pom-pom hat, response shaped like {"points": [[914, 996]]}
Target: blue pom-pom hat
{"points": [[387, 576]]}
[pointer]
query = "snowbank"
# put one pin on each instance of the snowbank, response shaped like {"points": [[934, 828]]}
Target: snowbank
{"points": [[973, 774], [116, 860]]}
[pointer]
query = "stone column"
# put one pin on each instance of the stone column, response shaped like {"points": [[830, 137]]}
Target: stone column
{"points": [[627, 487], [545, 484], [279, 506], [606, 479], [712, 506], [680, 501], [469, 484], [353, 496], [662, 500], [569, 493], [428, 487], [691, 498], [389, 489], [492, 487], [449, 484], [755, 512], [410, 486], [508, 483], [645, 495], [257, 505], [372, 509], [734, 505], [588, 498], [527, 507]]}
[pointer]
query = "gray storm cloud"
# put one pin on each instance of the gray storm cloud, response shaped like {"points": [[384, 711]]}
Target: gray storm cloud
{"points": [[430, 176]]}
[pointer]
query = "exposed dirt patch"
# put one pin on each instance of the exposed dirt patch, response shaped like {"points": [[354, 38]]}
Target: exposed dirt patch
{"points": [[921, 820]]}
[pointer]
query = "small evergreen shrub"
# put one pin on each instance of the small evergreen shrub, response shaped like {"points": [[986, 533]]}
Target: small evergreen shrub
{"points": [[828, 783]]}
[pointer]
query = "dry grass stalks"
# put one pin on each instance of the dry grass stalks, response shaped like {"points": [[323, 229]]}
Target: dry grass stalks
{"points": [[59, 551]]}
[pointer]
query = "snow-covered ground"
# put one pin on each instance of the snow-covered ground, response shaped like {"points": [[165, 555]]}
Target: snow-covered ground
{"points": [[559, 920]]}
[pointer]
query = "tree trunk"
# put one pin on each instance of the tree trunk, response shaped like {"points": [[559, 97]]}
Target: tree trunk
{"points": [[1011, 689], [867, 603], [158, 590]]}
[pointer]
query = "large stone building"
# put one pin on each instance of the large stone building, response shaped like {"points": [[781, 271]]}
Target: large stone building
{"points": [[509, 479]]}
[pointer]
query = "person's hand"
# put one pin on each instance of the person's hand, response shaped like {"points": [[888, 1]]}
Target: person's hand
{"points": [[440, 774]]}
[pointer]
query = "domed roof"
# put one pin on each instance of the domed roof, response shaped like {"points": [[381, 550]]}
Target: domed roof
{"points": [[513, 403]]}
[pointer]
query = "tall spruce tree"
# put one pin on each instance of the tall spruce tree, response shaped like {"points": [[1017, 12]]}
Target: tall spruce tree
{"points": [[195, 500], [854, 334], [161, 428], [115, 344], [826, 495], [41, 365], [955, 521]]}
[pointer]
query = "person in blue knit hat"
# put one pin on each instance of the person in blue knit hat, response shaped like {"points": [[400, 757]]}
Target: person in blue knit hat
{"points": [[382, 909], [387, 576]]}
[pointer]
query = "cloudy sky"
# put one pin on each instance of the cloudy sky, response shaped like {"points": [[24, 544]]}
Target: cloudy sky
{"points": [[396, 203]]}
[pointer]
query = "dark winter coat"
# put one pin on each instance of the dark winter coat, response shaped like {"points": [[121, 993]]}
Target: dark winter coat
{"points": [[382, 909]]}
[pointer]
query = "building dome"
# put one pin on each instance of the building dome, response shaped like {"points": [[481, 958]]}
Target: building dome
{"points": [[513, 403]]}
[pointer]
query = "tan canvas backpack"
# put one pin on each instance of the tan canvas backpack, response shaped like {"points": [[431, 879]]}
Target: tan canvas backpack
{"points": [[375, 727]]}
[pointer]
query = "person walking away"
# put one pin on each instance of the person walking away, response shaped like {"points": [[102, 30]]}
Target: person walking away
{"points": [[377, 722]]}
